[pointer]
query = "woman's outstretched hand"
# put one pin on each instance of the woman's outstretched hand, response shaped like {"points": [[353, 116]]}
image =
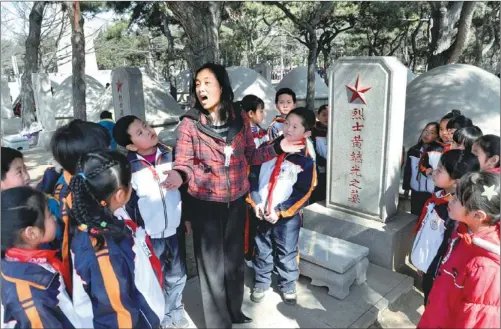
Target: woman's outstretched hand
{"points": [[291, 147], [173, 180]]}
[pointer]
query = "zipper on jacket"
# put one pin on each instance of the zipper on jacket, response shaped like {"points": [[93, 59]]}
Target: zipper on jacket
{"points": [[228, 178]]}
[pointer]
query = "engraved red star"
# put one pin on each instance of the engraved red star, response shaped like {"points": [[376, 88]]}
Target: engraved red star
{"points": [[119, 85], [358, 91]]}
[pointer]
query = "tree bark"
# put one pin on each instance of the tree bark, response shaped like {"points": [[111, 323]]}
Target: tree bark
{"points": [[31, 64], [201, 22], [78, 60], [447, 41]]}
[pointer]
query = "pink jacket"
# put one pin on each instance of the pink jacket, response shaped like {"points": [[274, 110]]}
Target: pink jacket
{"points": [[466, 291]]}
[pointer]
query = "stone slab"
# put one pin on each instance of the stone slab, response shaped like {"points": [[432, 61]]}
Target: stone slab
{"points": [[367, 100], [315, 308], [44, 138], [128, 95], [389, 243], [338, 284], [332, 253]]}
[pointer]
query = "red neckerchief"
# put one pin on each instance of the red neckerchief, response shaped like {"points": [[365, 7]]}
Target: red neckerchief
{"points": [[38, 256], [279, 119], [447, 148], [464, 232], [260, 133], [274, 178], [437, 201], [494, 170], [155, 262]]}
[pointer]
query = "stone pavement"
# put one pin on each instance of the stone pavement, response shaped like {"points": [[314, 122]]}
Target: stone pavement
{"points": [[315, 308]]}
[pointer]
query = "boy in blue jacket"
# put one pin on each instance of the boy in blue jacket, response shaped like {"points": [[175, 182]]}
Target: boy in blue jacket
{"points": [[155, 208], [280, 188], [106, 120]]}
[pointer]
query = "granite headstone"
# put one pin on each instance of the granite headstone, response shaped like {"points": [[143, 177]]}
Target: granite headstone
{"points": [[128, 95]]}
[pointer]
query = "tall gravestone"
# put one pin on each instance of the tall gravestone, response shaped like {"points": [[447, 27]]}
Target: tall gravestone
{"points": [[127, 90], [7, 112], [264, 69], [367, 102], [45, 108]]}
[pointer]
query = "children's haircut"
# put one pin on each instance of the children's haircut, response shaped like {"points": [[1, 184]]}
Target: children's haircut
{"points": [[121, 130], [458, 122], [286, 91], [321, 108], [467, 136], [100, 175], [252, 103], [223, 79], [75, 139], [9, 155], [22, 207], [106, 115], [451, 115], [489, 144], [307, 116], [469, 192], [457, 163], [437, 126]]}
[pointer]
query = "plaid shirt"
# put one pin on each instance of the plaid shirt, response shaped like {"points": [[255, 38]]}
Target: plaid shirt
{"points": [[200, 157]]}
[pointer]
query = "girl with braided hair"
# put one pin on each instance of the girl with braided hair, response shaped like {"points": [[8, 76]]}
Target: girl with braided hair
{"points": [[114, 281]]}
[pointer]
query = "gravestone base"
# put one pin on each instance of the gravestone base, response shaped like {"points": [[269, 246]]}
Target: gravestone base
{"points": [[389, 243], [338, 284]]}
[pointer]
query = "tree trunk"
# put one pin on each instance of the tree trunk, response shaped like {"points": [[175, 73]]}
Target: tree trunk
{"points": [[201, 22], [312, 68], [78, 60], [447, 40], [31, 64]]}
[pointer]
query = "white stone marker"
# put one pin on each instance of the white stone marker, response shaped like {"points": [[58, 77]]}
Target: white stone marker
{"points": [[367, 100], [43, 100], [7, 112], [128, 95], [264, 69]]}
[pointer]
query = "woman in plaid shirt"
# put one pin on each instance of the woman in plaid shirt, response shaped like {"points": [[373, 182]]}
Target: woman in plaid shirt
{"points": [[214, 149]]}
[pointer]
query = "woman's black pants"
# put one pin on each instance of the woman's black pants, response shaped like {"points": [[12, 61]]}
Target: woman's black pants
{"points": [[218, 237]]}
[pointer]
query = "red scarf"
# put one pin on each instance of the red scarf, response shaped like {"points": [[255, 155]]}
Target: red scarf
{"points": [[437, 201], [494, 170], [38, 256], [279, 119]]}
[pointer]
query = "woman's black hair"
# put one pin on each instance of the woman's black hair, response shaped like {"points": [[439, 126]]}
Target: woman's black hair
{"points": [[457, 163], [226, 95], [251, 103], [458, 122], [21, 207], [451, 115], [490, 145], [321, 108], [469, 192], [99, 176], [466, 136], [433, 123], [75, 139]]}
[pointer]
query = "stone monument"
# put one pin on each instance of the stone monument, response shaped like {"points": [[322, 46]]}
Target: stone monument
{"points": [[264, 69], [10, 124], [367, 98], [45, 109], [127, 89]]}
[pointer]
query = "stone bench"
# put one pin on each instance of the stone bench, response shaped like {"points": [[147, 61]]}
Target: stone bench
{"points": [[331, 262]]}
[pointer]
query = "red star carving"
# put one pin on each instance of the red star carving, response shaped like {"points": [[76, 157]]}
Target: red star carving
{"points": [[119, 85], [358, 91]]}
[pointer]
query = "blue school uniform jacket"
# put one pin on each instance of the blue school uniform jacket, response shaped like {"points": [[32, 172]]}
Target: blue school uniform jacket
{"points": [[294, 183], [109, 124], [104, 289], [33, 296]]}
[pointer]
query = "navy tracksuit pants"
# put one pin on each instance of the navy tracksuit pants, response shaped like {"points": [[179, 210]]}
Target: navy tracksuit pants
{"points": [[277, 245]]}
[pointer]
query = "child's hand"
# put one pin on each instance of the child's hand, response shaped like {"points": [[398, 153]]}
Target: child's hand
{"points": [[291, 147], [259, 212], [272, 217], [187, 225], [429, 171], [173, 180]]}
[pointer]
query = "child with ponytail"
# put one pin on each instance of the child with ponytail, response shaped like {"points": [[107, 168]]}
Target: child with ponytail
{"points": [[113, 287], [33, 284], [466, 291], [486, 149]]}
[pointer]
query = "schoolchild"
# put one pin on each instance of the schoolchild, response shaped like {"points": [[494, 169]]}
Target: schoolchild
{"points": [[434, 227], [285, 101], [106, 120], [280, 188], [464, 138], [113, 287], [443, 133], [33, 282], [466, 291], [254, 107], [319, 138], [420, 185], [486, 149], [454, 124], [155, 208]]}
